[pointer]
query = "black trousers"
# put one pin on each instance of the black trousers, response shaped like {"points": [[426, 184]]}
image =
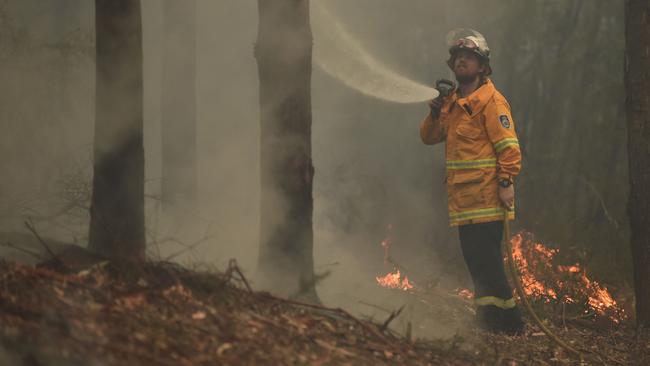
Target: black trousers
{"points": [[481, 246]]}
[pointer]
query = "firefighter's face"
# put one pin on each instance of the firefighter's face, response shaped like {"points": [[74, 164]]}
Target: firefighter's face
{"points": [[467, 66]]}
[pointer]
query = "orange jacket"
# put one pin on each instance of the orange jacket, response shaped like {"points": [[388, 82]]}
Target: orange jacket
{"points": [[481, 148]]}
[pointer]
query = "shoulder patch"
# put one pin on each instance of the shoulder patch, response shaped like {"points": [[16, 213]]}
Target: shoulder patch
{"points": [[505, 122]]}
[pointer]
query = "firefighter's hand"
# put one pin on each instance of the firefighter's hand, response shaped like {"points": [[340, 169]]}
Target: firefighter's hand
{"points": [[507, 196], [435, 104]]}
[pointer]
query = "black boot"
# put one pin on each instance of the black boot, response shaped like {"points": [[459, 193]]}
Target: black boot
{"points": [[511, 322], [489, 318]]}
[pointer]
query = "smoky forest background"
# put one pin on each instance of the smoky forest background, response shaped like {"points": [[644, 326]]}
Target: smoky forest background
{"points": [[560, 63]]}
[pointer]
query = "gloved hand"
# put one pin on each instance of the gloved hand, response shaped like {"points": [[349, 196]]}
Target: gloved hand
{"points": [[435, 105], [445, 87]]}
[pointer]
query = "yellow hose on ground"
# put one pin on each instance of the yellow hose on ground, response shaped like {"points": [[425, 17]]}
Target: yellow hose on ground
{"points": [[522, 294]]}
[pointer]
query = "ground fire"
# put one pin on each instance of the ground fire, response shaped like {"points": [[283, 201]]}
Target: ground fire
{"points": [[544, 281], [549, 282], [394, 279]]}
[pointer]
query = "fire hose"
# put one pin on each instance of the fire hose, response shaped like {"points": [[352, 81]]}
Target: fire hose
{"points": [[522, 294]]}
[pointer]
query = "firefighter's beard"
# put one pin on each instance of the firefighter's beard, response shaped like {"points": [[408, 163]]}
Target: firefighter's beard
{"points": [[467, 79]]}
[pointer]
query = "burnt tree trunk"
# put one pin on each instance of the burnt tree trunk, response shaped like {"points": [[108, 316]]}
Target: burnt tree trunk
{"points": [[284, 52], [637, 84], [179, 155], [117, 207]]}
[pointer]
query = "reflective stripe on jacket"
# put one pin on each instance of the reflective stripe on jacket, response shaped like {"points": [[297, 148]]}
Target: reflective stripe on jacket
{"points": [[481, 148]]}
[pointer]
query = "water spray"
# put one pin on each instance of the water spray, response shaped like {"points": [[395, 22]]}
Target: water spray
{"points": [[343, 57]]}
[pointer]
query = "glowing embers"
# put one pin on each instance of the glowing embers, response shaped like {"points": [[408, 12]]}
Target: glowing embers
{"points": [[394, 279], [464, 293]]}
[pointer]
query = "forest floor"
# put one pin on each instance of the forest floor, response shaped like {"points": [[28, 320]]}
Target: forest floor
{"points": [[164, 314]]}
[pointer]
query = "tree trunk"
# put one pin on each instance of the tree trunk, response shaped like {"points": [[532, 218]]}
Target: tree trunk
{"points": [[637, 84], [179, 155], [117, 208], [283, 52]]}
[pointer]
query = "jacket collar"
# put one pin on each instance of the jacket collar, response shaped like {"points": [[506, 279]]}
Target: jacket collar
{"points": [[475, 102]]}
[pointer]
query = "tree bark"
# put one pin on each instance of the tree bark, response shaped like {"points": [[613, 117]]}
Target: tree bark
{"points": [[117, 207], [179, 154], [637, 84], [284, 55]]}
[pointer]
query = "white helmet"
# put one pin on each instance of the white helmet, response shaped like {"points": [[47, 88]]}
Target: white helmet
{"points": [[474, 42]]}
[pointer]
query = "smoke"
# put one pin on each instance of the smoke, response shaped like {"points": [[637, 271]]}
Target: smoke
{"points": [[340, 55], [371, 168]]}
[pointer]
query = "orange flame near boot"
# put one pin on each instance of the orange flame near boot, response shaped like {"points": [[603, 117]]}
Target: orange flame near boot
{"points": [[546, 282]]}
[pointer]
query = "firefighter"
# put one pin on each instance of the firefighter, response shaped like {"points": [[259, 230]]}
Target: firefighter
{"points": [[482, 161]]}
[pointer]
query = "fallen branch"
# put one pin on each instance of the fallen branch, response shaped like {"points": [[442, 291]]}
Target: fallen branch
{"points": [[391, 317]]}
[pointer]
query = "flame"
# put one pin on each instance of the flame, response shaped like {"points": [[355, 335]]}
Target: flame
{"points": [[542, 280], [569, 284], [394, 279], [534, 287]]}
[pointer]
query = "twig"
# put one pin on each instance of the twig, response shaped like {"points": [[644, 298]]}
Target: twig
{"points": [[31, 228], [306, 286], [24, 250], [602, 202], [391, 317], [56, 214], [233, 267], [375, 306], [392, 261], [187, 248]]}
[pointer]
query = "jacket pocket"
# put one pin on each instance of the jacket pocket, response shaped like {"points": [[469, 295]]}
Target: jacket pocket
{"points": [[468, 131], [468, 176], [468, 188]]}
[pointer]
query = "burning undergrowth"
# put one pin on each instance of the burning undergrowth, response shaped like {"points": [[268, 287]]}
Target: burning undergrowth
{"points": [[548, 282], [552, 286], [581, 311]]}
